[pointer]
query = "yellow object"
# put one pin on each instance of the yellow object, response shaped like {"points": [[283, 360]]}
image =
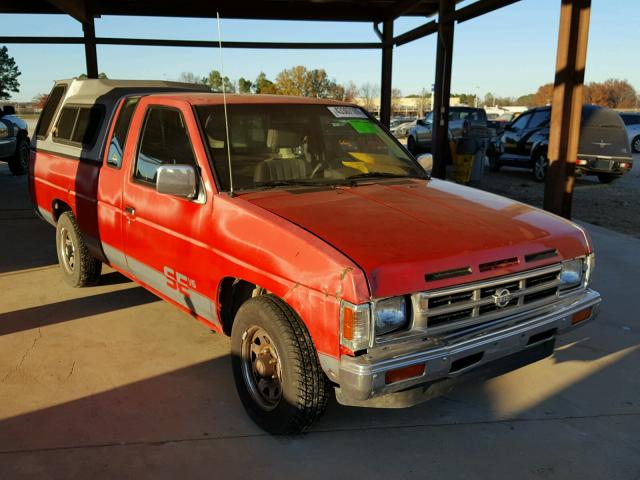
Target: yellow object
{"points": [[367, 162], [462, 164]]}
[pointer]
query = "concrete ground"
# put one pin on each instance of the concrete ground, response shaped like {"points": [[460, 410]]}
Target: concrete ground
{"points": [[110, 382]]}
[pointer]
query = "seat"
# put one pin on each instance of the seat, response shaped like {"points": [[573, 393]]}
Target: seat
{"points": [[285, 164]]}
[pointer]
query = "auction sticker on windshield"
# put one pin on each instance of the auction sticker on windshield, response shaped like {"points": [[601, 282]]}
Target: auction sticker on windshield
{"points": [[347, 112]]}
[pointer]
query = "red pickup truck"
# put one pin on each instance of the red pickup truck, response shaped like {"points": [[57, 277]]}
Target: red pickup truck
{"points": [[301, 228]]}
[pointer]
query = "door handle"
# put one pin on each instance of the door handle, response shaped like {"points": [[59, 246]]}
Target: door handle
{"points": [[130, 210]]}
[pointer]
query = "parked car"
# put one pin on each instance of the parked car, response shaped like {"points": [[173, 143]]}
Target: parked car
{"points": [[400, 131], [603, 149], [632, 124], [461, 120], [300, 231], [14, 141]]}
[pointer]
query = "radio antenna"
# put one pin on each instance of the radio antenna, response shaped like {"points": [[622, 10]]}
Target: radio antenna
{"points": [[224, 102]]}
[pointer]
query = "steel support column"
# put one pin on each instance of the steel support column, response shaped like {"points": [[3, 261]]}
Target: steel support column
{"points": [[442, 90], [387, 68], [566, 106], [90, 53]]}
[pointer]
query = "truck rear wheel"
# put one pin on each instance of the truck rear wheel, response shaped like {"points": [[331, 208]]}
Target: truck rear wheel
{"points": [[276, 368], [19, 162], [79, 268]]}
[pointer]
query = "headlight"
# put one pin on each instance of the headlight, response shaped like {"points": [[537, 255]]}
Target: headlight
{"points": [[355, 326], [390, 315], [571, 274]]}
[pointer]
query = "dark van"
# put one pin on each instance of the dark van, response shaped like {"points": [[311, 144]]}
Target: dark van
{"points": [[603, 150]]}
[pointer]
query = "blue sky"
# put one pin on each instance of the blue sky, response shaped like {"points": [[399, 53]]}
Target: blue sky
{"points": [[508, 52]]}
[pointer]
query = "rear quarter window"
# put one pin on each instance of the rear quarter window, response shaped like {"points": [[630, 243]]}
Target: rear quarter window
{"points": [[79, 125], [49, 110]]}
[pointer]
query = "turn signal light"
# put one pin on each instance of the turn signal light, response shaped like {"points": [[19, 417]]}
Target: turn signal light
{"points": [[581, 162], [624, 165], [404, 373], [581, 316]]}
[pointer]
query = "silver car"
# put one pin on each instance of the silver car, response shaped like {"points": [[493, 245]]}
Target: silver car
{"points": [[461, 120], [632, 124]]}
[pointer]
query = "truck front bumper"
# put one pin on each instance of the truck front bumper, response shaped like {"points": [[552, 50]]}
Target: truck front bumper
{"points": [[363, 379]]}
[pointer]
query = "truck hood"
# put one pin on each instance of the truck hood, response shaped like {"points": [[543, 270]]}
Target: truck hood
{"points": [[400, 231]]}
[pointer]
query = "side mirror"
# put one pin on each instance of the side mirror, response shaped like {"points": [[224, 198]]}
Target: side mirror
{"points": [[178, 180], [9, 110], [426, 161], [421, 123]]}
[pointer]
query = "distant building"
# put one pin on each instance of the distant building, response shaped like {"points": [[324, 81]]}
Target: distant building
{"points": [[404, 106]]}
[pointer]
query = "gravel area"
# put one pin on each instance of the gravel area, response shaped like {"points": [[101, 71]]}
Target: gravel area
{"points": [[615, 206]]}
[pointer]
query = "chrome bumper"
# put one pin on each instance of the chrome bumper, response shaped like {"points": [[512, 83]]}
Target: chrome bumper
{"points": [[362, 378]]}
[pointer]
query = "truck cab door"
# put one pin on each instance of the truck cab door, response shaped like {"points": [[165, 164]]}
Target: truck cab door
{"points": [[167, 237], [110, 187], [424, 131], [512, 136]]}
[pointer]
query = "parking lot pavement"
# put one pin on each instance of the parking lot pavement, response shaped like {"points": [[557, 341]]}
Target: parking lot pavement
{"points": [[109, 382]]}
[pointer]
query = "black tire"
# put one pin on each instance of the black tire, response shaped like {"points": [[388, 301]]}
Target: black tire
{"points": [[79, 268], [635, 144], [19, 162], [412, 145], [303, 386], [607, 177], [494, 161], [540, 164]]}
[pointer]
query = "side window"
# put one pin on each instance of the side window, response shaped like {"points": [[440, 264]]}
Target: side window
{"points": [[164, 141], [49, 110], [540, 118], [521, 122], [120, 132], [78, 125]]}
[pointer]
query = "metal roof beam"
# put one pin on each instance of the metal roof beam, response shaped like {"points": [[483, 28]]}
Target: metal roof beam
{"points": [[192, 43], [479, 8], [416, 33], [78, 10]]}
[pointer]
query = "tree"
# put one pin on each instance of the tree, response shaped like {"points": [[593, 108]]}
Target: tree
{"points": [[368, 96], [264, 85], [101, 76], [396, 96], [526, 100], [544, 95], [612, 93], [424, 101], [190, 77], [215, 81], [350, 92], [244, 85], [40, 100], [9, 74]]}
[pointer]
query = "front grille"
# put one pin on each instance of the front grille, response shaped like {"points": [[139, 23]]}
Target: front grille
{"points": [[459, 307]]}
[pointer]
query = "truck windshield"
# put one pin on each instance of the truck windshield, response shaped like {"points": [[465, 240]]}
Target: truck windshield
{"points": [[280, 145]]}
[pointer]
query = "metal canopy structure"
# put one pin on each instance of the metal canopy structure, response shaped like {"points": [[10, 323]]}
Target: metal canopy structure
{"points": [[572, 41]]}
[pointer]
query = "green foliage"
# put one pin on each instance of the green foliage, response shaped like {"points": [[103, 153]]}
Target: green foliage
{"points": [[216, 82], [244, 85], [264, 85], [9, 74]]}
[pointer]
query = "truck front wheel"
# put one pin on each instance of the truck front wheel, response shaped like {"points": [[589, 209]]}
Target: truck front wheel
{"points": [[276, 368], [79, 268]]}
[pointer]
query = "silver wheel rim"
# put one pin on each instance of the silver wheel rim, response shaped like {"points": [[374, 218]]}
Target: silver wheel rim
{"points": [[261, 368], [67, 251], [539, 167], [636, 144]]}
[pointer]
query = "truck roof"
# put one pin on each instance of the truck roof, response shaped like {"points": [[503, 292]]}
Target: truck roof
{"points": [[210, 98]]}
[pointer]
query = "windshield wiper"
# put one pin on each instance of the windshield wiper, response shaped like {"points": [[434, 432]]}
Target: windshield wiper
{"points": [[359, 176], [290, 183]]}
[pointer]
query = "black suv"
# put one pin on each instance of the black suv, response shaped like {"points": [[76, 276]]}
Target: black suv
{"points": [[603, 149]]}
